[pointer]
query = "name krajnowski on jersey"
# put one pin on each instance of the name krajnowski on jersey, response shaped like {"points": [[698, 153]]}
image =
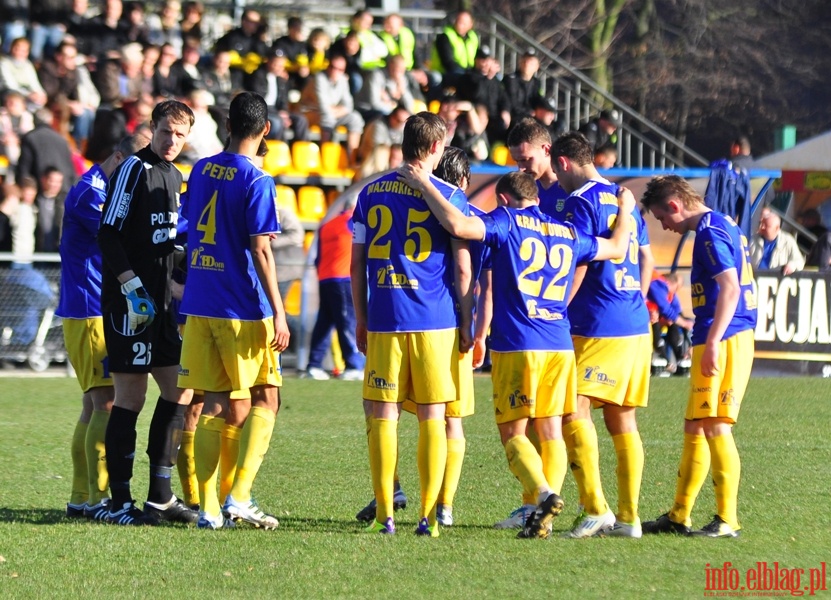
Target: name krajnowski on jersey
{"points": [[543, 227]]}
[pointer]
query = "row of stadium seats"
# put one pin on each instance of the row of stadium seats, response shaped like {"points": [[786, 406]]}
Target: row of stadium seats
{"points": [[302, 159], [309, 202]]}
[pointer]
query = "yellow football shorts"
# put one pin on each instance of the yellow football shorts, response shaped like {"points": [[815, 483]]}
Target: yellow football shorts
{"points": [[87, 352], [721, 395], [420, 365], [221, 355], [465, 405], [533, 384], [614, 370]]}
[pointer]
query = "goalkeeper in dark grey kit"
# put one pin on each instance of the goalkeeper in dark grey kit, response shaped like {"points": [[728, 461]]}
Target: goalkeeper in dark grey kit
{"points": [[136, 237]]}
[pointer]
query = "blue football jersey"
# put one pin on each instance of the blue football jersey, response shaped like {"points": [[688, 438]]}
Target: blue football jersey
{"points": [[533, 259], [228, 200], [553, 201], [609, 302], [408, 256], [719, 246], [80, 254]]}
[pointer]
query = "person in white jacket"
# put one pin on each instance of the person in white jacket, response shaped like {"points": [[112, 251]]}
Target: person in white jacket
{"points": [[772, 248]]}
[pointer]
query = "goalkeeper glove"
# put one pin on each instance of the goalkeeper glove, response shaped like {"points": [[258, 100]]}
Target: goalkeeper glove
{"points": [[141, 309]]}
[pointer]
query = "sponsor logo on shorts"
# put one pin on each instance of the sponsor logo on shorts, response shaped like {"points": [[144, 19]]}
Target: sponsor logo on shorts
{"points": [[595, 375], [702, 390], [516, 399], [378, 383], [728, 398]]}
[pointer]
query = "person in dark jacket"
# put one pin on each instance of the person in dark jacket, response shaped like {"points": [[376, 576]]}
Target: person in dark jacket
{"points": [[271, 81]]}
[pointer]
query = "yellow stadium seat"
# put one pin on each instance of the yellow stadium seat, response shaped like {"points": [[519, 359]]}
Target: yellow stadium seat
{"points": [[183, 169], [286, 198], [305, 156], [311, 203], [278, 158], [500, 155], [291, 303], [434, 106], [335, 160]]}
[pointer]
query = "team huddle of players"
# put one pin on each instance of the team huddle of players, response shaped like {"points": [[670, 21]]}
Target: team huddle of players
{"points": [[562, 265]]}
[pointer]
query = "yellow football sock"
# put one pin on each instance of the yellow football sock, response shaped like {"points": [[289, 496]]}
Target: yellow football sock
{"points": [[187, 470], [80, 475], [99, 480], [432, 459], [695, 463], [581, 440], [727, 470], [228, 457], [452, 470], [253, 444], [629, 451], [206, 461], [383, 452], [526, 465], [554, 463]]}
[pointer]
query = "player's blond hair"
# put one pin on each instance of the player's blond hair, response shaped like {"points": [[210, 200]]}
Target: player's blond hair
{"points": [[665, 187]]}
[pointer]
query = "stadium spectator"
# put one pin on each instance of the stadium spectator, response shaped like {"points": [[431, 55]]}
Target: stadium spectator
{"points": [[545, 112], [222, 81], [14, 15], [482, 88], [134, 24], [165, 28], [386, 88], [819, 255], [47, 26], [610, 328], [399, 39], [169, 81], [44, 147], [329, 104], [8, 205], [49, 202], [18, 73], [605, 157], [724, 305], [106, 32], [317, 49], [811, 220], [772, 248], [15, 122], [349, 46], [80, 311], [295, 49], [467, 123], [524, 85], [140, 332], [203, 139], [427, 341], [454, 49], [250, 313], [378, 140], [602, 130], [191, 25], [246, 43], [271, 81], [373, 50]]}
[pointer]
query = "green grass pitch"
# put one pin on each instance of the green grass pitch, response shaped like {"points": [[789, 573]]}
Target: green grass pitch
{"points": [[316, 477]]}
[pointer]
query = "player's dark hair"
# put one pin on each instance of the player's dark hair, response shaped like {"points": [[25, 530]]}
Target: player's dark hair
{"points": [[454, 166], [574, 146], [173, 110], [421, 131], [247, 115], [664, 187], [518, 185], [528, 131]]}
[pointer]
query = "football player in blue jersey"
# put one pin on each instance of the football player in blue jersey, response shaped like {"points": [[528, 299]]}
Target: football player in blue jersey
{"points": [[533, 257], [83, 330], [137, 237], [236, 324], [405, 290], [612, 343], [724, 304]]}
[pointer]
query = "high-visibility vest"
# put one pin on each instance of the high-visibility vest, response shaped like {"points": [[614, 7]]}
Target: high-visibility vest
{"points": [[404, 45], [464, 49]]}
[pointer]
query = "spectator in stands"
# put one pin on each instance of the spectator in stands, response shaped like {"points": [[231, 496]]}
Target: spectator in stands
{"points": [[246, 43], [317, 49], [220, 80], [15, 121], [386, 88], [14, 15], [164, 28], [188, 68], [18, 73], [64, 76], [169, 82], [466, 125], [296, 51], [47, 26], [43, 147], [329, 104], [349, 46], [191, 23], [106, 32], [24, 220], [336, 311], [8, 206], [134, 24], [455, 49], [481, 87], [379, 139], [772, 248], [203, 139], [524, 85], [819, 255], [78, 26], [740, 153], [271, 81], [545, 113], [811, 220], [603, 129], [605, 157], [399, 39], [138, 113], [49, 202], [373, 50]]}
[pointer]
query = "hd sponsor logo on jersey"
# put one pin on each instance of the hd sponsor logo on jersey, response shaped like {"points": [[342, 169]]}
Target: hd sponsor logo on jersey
{"points": [[199, 260], [595, 375], [538, 312], [386, 277], [379, 383]]}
